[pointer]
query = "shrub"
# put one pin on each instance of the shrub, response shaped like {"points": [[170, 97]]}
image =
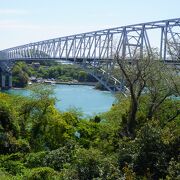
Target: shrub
{"points": [[35, 159], [57, 158], [91, 164], [153, 153], [40, 173], [13, 167], [173, 170], [4, 175]]}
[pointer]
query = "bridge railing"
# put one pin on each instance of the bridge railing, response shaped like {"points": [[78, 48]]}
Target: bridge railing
{"points": [[102, 44], [98, 47]]}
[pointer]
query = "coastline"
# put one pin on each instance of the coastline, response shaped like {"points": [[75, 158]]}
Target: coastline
{"points": [[63, 83], [77, 83]]}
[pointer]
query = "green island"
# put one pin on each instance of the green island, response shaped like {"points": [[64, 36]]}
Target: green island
{"points": [[50, 71], [138, 138]]}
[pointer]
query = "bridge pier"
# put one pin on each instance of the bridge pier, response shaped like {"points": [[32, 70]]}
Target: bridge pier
{"points": [[3, 81], [6, 81]]}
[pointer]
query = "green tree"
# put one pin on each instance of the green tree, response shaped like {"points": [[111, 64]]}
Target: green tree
{"points": [[148, 76]]}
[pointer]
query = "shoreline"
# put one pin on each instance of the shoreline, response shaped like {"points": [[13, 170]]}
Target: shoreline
{"points": [[77, 83], [63, 83]]}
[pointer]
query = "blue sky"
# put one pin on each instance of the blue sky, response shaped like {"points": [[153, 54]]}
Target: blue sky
{"points": [[25, 21]]}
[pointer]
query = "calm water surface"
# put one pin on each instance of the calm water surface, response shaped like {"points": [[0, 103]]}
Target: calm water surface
{"points": [[85, 98]]}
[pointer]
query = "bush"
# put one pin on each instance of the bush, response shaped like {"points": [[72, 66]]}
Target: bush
{"points": [[12, 163], [40, 173], [127, 152], [4, 175], [91, 164], [20, 145], [173, 170], [13, 167], [57, 158], [9, 144], [153, 153], [35, 159]]}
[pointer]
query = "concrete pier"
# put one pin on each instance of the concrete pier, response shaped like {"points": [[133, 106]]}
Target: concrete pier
{"points": [[6, 81], [3, 81]]}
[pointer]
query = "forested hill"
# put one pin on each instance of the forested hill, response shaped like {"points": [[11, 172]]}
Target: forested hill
{"points": [[60, 72]]}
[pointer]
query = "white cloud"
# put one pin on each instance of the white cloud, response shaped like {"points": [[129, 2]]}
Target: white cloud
{"points": [[13, 12], [12, 24]]}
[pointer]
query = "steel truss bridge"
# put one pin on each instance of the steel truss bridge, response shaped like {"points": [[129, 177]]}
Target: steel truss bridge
{"points": [[94, 51]]}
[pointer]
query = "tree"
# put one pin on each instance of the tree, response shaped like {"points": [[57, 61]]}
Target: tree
{"points": [[146, 76], [163, 84], [21, 73], [174, 49]]}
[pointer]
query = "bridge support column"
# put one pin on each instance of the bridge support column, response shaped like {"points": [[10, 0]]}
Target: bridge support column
{"points": [[3, 81], [6, 81]]}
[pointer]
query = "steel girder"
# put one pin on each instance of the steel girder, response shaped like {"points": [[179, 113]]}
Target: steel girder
{"points": [[94, 51]]}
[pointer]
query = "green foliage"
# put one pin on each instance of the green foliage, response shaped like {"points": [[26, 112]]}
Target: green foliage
{"points": [[88, 132], [20, 74], [127, 152], [118, 113], [71, 117], [13, 167], [22, 71], [45, 173], [35, 159], [153, 153], [129, 173], [82, 77], [173, 170], [10, 140], [167, 111], [56, 159], [7, 116], [149, 154], [17, 145], [4, 175], [87, 163], [91, 164], [39, 142]]}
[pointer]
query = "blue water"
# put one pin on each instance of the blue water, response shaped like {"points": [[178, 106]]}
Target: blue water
{"points": [[85, 98]]}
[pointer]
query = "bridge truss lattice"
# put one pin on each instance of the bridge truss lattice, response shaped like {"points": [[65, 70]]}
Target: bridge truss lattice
{"points": [[94, 51]]}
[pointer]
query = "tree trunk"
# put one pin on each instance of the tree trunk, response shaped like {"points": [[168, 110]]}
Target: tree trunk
{"points": [[150, 113], [131, 124]]}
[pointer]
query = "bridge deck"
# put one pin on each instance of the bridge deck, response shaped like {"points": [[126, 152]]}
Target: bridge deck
{"points": [[99, 47]]}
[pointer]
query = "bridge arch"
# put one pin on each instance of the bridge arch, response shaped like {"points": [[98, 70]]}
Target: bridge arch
{"points": [[93, 51]]}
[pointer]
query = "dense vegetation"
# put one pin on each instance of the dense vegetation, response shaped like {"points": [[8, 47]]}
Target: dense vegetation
{"points": [[39, 142], [61, 72]]}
